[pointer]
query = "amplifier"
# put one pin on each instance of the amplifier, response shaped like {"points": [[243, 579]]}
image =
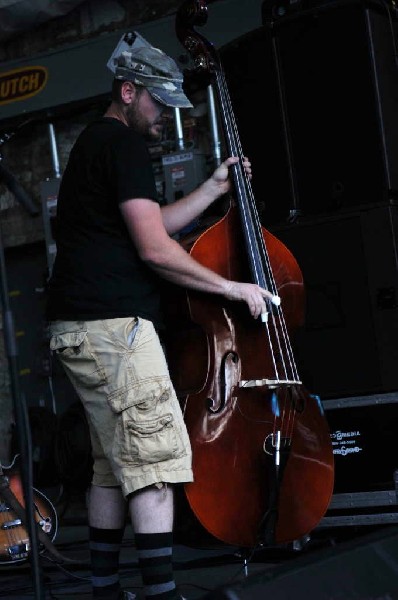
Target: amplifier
{"points": [[348, 345], [328, 138], [365, 448]]}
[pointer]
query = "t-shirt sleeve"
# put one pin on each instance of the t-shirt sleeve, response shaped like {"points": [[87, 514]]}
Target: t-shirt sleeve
{"points": [[131, 168]]}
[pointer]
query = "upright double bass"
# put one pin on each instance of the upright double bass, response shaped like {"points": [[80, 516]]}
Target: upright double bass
{"points": [[262, 454]]}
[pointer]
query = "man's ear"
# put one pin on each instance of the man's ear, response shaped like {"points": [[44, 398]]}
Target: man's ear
{"points": [[127, 92]]}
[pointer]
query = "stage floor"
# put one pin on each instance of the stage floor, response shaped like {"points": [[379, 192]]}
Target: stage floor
{"points": [[212, 569]]}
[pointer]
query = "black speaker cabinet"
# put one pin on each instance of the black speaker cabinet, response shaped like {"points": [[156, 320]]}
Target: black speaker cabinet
{"points": [[348, 345], [323, 135], [363, 569]]}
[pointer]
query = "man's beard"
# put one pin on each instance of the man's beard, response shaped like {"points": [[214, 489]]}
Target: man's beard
{"points": [[140, 125]]}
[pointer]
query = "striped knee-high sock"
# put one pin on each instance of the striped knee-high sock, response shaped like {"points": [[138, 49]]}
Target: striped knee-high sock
{"points": [[105, 547], [155, 561]]}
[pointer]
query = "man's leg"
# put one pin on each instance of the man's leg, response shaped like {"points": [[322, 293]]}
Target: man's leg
{"points": [[126, 388], [107, 513], [152, 509], [152, 514]]}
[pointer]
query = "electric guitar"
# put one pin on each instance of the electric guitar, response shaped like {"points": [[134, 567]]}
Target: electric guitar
{"points": [[14, 539]]}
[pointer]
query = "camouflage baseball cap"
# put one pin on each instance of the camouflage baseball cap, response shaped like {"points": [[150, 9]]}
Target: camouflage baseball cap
{"points": [[152, 68]]}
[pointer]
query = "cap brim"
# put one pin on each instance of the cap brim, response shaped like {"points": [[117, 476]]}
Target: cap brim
{"points": [[173, 99]]}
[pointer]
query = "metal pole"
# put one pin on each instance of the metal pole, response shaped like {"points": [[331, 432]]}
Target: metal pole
{"points": [[179, 130], [54, 151], [214, 126]]}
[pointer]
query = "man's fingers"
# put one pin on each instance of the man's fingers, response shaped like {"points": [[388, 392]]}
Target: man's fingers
{"points": [[276, 300]]}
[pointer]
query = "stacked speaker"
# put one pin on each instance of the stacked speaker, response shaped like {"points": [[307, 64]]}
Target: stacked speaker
{"points": [[323, 140]]}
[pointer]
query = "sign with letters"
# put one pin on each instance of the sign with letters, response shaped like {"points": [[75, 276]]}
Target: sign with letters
{"points": [[22, 83]]}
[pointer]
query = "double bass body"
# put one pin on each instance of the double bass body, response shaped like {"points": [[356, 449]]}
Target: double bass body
{"points": [[216, 347], [262, 454]]}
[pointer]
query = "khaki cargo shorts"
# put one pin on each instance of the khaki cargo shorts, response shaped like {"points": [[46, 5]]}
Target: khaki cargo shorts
{"points": [[119, 371]]}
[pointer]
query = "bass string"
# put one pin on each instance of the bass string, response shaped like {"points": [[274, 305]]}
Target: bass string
{"points": [[7, 516], [276, 328], [258, 255], [4, 512]]}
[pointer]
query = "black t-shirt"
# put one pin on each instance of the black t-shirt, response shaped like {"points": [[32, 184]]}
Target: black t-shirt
{"points": [[97, 273]]}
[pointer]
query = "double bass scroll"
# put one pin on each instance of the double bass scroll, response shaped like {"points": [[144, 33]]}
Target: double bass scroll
{"points": [[262, 454]]}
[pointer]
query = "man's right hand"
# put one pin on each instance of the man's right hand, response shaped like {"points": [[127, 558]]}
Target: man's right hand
{"points": [[255, 296]]}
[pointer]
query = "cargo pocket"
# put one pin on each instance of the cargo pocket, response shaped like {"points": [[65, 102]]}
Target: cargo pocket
{"points": [[74, 352], [146, 432]]}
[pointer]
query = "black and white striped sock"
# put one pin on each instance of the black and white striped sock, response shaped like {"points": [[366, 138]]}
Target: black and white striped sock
{"points": [[155, 560], [105, 547]]}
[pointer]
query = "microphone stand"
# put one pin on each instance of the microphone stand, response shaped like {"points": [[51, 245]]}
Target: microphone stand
{"points": [[20, 410]]}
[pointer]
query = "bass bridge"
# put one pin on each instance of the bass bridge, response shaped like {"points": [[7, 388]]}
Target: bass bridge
{"points": [[269, 383]]}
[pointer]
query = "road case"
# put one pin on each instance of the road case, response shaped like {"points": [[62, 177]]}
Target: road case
{"points": [[364, 432]]}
